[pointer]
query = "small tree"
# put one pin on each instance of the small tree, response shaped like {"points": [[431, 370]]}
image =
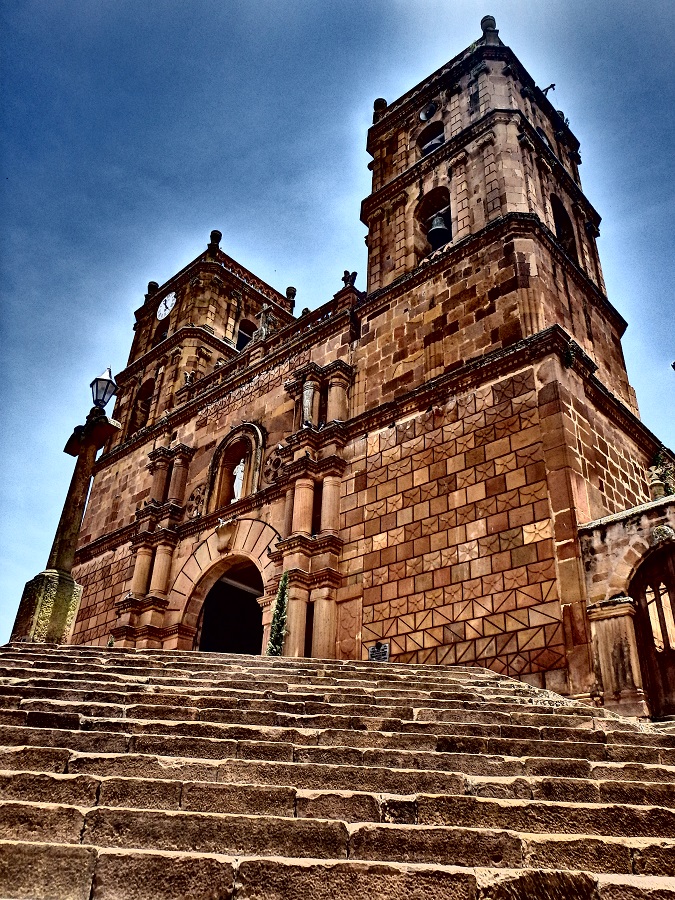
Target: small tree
{"points": [[275, 645]]}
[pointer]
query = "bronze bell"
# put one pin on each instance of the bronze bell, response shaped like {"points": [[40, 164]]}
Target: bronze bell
{"points": [[438, 233]]}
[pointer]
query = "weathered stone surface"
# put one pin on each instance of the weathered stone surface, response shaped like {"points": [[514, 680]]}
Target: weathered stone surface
{"points": [[30, 871], [215, 833], [129, 875], [40, 822], [402, 818], [277, 880]]}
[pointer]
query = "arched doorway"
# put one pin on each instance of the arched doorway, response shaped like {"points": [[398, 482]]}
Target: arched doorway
{"points": [[653, 589], [230, 620]]}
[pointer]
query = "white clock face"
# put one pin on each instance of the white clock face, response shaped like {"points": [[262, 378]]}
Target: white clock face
{"points": [[166, 305]]}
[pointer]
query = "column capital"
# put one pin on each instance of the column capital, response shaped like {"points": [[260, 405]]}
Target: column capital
{"points": [[611, 608]]}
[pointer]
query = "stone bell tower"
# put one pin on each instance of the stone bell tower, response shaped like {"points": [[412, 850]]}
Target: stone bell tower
{"points": [[476, 157]]}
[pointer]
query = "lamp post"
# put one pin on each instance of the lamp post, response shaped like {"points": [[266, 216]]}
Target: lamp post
{"points": [[50, 600]]}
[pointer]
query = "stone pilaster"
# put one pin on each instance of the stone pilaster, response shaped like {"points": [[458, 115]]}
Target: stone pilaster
{"points": [[615, 655]]}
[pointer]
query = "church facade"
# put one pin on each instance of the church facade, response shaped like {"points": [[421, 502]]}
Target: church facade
{"points": [[449, 466]]}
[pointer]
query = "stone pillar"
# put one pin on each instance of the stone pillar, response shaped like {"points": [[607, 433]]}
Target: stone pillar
{"points": [[309, 402], [337, 406], [296, 620], [50, 601], [330, 504], [160, 470], [615, 653], [161, 570], [288, 512], [141, 575], [62, 554], [179, 477], [325, 623], [303, 504]]}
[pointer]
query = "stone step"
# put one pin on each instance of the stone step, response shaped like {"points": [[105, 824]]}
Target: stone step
{"points": [[334, 777], [446, 711], [352, 806], [72, 872], [165, 774], [221, 741], [434, 701], [209, 706], [264, 835], [421, 734], [452, 754]]}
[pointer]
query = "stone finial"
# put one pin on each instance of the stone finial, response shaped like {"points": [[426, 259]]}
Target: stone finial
{"points": [[489, 28], [153, 287], [214, 243], [657, 487], [379, 109], [291, 293]]}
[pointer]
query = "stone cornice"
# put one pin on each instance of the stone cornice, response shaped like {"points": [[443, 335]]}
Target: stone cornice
{"points": [[513, 225], [654, 506], [477, 371], [308, 467], [447, 75], [493, 366], [311, 545], [185, 332], [621, 415]]}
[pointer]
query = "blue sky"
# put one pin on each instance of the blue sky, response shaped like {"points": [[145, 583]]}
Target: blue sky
{"points": [[133, 129]]}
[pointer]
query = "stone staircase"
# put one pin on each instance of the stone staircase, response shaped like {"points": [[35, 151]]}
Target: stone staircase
{"points": [[142, 775]]}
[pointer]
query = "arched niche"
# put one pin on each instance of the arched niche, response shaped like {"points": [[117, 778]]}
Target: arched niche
{"points": [[431, 138], [245, 333], [564, 229], [140, 411], [236, 465], [434, 204]]}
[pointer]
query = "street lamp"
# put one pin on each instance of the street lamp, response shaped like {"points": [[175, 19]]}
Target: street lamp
{"points": [[50, 600]]}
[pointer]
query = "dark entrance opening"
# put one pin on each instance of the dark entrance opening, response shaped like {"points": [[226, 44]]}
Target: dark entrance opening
{"points": [[231, 617]]}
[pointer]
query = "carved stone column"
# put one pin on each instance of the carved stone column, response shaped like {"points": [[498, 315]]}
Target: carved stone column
{"points": [[337, 407], [179, 474], [288, 512], [303, 504], [296, 620], [159, 467], [615, 653], [141, 576], [161, 569], [330, 504], [325, 623], [309, 403]]}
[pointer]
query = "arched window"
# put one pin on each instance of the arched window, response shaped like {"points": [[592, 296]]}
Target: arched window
{"points": [[432, 137], [432, 222], [141, 408], [235, 468], [161, 332], [653, 589], [564, 230], [245, 333]]}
